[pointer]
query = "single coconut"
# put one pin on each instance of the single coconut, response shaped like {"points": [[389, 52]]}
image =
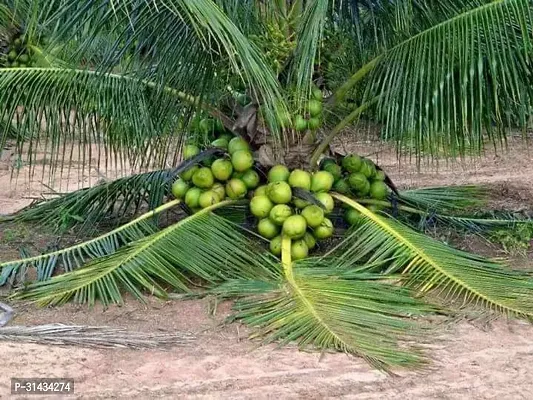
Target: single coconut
{"points": [[278, 173], [222, 169], [267, 228], [260, 206], [279, 213], [295, 226], [279, 192], [203, 178], [300, 179]]}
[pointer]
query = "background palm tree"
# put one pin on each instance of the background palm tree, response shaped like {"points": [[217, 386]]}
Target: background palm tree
{"points": [[137, 78]]}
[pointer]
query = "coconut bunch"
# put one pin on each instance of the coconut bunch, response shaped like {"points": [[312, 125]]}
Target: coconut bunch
{"points": [[293, 203], [229, 176], [19, 54], [357, 177], [312, 118]]}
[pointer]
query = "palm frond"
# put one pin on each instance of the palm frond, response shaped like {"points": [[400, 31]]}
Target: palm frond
{"points": [[366, 316], [309, 33], [445, 198], [483, 224], [93, 337], [75, 256], [429, 265], [180, 44], [65, 113], [202, 247], [466, 76], [88, 207], [6, 15]]}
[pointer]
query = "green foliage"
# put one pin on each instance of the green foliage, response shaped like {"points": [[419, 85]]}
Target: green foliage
{"points": [[432, 266], [86, 208], [129, 76], [515, 241], [466, 75], [367, 296], [73, 257], [197, 247], [364, 316], [446, 199]]}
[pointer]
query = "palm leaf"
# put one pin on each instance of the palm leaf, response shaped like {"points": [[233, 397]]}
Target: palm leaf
{"points": [[429, 265], [482, 79], [445, 198], [65, 112], [366, 316], [309, 32], [203, 246], [75, 256], [163, 37], [455, 74], [90, 206]]}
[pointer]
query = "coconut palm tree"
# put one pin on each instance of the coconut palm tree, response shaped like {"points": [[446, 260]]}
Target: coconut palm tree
{"points": [[135, 79]]}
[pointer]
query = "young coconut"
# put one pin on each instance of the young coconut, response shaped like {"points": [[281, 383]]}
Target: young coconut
{"points": [[261, 191], [378, 190], [203, 178], [180, 188], [299, 250], [188, 174], [275, 246], [310, 240], [192, 197], [251, 179], [222, 169], [314, 215], [278, 173], [190, 151], [279, 192], [237, 144], [236, 189], [352, 163], [295, 227], [327, 201], [208, 198], [242, 160], [218, 188], [260, 206], [322, 181], [279, 213], [300, 179], [325, 230], [267, 228]]}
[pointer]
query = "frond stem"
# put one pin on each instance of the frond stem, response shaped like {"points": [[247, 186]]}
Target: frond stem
{"points": [[420, 254], [143, 217], [362, 72], [286, 261], [338, 128]]}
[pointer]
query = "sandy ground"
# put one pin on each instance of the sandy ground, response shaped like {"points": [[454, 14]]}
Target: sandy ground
{"points": [[469, 362]]}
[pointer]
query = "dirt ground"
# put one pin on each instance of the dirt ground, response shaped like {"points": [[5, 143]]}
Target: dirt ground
{"points": [[469, 361]]}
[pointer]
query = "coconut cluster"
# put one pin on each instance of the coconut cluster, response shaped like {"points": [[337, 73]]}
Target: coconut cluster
{"points": [[291, 203], [19, 54], [312, 118], [281, 213], [211, 181], [357, 177]]}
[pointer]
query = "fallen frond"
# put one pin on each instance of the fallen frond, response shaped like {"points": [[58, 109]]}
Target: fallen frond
{"points": [[93, 336]]}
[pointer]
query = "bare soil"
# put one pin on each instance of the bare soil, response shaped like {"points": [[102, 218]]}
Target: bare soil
{"points": [[470, 361]]}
